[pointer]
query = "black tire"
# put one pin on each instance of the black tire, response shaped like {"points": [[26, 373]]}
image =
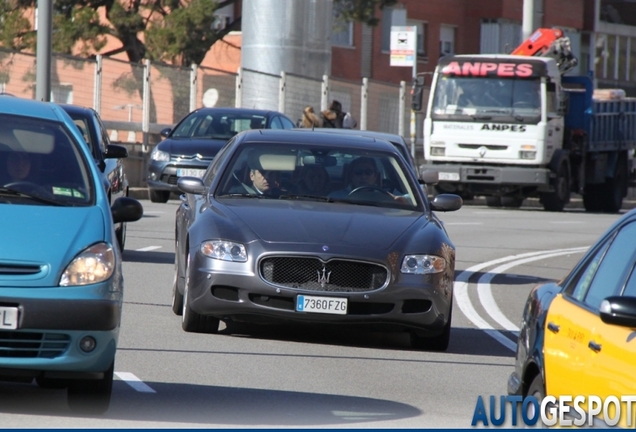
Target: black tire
{"points": [[436, 343], [158, 196], [555, 201], [91, 396], [177, 297], [536, 389], [51, 383], [593, 198], [120, 234], [511, 202], [493, 201], [192, 321], [615, 189]]}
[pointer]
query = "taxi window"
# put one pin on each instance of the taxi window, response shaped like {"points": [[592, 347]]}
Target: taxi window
{"points": [[611, 273], [630, 287]]}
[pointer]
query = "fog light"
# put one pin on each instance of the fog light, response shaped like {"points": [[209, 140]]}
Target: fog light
{"points": [[527, 154], [87, 344]]}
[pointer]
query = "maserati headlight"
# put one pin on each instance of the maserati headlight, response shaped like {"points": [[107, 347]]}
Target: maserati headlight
{"points": [[93, 265], [224, 250], [160, 156], [423, 264]]}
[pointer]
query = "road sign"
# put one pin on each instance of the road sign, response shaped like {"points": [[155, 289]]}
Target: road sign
{"points": [[403, 45]]}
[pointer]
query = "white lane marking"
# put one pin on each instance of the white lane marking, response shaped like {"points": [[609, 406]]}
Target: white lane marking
{"points": [[463, 223], [148, 248], [464, 303], [484, 288], [134, 382]]}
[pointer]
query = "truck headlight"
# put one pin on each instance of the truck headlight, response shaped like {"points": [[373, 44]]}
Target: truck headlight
{"points": [[93, 265], [423, 264], [224, 250], [528, 151], [438, 148]]}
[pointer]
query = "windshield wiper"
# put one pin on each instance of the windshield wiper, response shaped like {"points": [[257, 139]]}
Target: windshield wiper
{"points": [[310, 197], [241, 195], [14, 192], [481, 117]]}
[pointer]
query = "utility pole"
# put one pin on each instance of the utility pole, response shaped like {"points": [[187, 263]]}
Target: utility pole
{"points": [[528, 19], [44, 48]]}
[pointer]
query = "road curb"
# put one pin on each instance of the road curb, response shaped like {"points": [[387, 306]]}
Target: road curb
{"points": [[576, 202]]}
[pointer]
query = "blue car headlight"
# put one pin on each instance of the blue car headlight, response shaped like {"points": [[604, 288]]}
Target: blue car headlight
{"points": [[160, 156], [423, 264], [224, 250], [93, 265]]}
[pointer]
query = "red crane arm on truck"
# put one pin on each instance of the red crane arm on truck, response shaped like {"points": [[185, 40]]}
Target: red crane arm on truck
{"points": [[546, 42]]}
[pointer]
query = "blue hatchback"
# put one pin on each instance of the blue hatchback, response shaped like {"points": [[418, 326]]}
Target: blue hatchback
{"points": [[61, 283]]}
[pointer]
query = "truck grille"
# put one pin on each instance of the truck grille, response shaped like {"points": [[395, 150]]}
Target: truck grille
{"points": [[313, 274], [31, 344]]}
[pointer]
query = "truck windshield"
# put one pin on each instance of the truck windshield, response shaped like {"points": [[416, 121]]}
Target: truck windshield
{"points": [[481, 98]]}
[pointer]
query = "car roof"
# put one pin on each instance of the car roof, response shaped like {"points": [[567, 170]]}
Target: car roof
{"points": [[298, 136], [235, 110], [375, 134], [31, 108], [76, 109]]}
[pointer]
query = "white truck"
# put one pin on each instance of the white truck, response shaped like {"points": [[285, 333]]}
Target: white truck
{"points": [[509, 127]]}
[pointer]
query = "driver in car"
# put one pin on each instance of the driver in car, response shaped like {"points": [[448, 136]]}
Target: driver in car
{"points": [[363, 172], [18, 165]]}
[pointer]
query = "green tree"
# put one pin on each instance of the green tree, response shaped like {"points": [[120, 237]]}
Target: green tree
{"points": [[179, 32]]}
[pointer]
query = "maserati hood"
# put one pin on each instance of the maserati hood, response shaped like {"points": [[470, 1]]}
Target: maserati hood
{"points": [[323, 223]]}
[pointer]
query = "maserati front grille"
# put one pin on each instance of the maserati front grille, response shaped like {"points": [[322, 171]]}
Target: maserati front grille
{"points": [[313, 274]]}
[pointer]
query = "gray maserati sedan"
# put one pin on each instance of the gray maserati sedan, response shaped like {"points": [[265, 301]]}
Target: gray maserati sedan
{"points": [[313, 227]]}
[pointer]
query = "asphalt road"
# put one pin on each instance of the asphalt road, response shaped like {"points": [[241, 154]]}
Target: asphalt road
{"points": [[282, 377]]}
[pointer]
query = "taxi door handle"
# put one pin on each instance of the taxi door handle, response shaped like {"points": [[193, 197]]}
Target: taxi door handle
{"points": [[553, 327], [594, 346]]}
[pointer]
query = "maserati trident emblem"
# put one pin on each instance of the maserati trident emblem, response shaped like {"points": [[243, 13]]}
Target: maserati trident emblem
{"points": [[323, 279]]}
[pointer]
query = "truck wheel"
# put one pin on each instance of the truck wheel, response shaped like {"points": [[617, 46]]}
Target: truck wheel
{"points": [[511, 202], [615, 188], [555, 201], [592, 198], [493, 201]]}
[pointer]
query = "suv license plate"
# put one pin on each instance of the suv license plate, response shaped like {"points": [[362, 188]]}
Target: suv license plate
{"points": [[8, 318], [326, 305]]}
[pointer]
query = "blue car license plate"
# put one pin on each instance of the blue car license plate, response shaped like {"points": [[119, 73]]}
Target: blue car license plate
{"points": [[326, 305]]}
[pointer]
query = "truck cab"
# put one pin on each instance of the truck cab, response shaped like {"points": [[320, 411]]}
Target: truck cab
{"points": [[494, 124]]}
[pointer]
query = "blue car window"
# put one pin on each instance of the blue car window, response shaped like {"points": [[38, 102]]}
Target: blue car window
{"points": [[611, 273], [579, 285], [630, 287]]}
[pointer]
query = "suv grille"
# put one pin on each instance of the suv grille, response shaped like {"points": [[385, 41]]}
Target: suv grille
{"points": [[30, 344], [315, 275]]}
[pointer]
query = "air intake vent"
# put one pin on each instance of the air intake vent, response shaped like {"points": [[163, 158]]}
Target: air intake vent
{"points": [[16, 269], [31, 344]]}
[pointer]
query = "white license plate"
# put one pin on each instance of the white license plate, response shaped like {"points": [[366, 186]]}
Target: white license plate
{"points": [[8, 318], [449, 176], [327, 305], [190, 172]]}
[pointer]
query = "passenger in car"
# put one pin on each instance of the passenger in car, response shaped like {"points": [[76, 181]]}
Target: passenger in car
{"points": [[18, 165], [260, 181]]}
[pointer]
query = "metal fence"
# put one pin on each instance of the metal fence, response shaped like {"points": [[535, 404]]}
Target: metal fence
{"points": [[137, 100]]}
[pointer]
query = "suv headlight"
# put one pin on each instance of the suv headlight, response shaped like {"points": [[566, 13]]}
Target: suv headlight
{"points": [[423, 264], [160, 156], [224, 250], [93, 265]]}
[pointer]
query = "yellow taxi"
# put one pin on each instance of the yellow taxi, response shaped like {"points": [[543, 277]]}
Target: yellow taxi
{"points": [[578, 336]]}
